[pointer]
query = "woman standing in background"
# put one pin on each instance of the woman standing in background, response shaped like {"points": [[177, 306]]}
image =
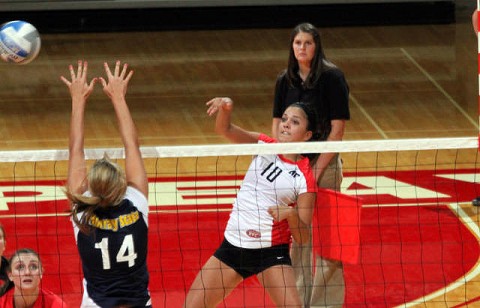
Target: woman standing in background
{"points": [[312, 79]]}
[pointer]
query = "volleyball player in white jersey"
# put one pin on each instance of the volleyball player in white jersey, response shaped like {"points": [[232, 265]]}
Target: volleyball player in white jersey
{"points": [[109, 205], [275, 202]]}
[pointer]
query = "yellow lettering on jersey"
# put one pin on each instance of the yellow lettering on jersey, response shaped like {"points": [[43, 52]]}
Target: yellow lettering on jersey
{"points": [[128, 219], [104, 224]]}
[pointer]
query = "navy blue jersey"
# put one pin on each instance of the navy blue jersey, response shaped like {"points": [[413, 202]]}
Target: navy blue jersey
{"points": [[114, 254]]}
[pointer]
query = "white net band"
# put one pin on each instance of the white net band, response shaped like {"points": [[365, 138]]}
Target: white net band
{"points": [[249, 149]]}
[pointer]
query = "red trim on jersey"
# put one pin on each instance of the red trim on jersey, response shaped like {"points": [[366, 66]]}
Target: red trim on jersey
{"points": [[45, 299], [303, 164], [281, 233]]}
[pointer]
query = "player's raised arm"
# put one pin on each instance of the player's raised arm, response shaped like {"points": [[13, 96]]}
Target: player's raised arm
{"points": [[80, 89], [115, 86], [223, 107]]}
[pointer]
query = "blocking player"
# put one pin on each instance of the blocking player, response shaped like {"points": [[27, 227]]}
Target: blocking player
{"points": [[109, 205]]}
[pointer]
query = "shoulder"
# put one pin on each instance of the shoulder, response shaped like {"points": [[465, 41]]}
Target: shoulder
{"points": [[333, 73], [306, 169], [6, 300], [138, 200], [282, 75], [266, 139], [51, 300], [135, 195], [283, 79], [334, 80]]}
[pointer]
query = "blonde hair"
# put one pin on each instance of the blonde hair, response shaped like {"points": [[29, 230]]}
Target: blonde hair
{"points": [[107, 185]]}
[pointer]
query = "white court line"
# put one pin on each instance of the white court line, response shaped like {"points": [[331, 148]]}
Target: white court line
{"points": [[369, 118], [401, 204], [460, 282], [200, 210], [439, 88]]}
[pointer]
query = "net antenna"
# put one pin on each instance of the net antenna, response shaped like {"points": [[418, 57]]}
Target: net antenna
{"points": [[476, 25]]}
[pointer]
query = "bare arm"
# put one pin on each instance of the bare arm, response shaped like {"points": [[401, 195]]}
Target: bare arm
{"points": [[80, 90], [223, 106], [299, 218], [336, 134], [116, 88]]}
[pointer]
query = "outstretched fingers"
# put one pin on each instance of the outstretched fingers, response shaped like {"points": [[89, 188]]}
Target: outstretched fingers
{"points": [[103, 82], [217, 103], [124, 70], [107, 70], [79, 69], [72, 71], [65, 81], [129, 76], [78, 84], [117, 67], [116, 83], [84, 70], [91, 85]]}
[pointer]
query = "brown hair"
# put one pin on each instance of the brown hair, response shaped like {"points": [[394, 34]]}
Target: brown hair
{"points": [[23, 251]]}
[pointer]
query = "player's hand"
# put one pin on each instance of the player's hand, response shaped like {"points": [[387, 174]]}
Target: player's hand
{"points": [[79, 86], [281, 212], [115, 86], [217, 103]]}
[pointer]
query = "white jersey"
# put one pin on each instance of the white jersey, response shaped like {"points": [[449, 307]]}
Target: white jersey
{"points": [[270, 180]]}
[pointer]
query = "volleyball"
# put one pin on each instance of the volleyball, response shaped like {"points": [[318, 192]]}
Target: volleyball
{"points": [[19, 42]]}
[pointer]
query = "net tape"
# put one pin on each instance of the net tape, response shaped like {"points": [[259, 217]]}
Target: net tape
{"points": [[249, 149]]}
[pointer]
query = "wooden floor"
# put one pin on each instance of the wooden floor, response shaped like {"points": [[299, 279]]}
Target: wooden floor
{"points": [[406, 82], [411, 81]]}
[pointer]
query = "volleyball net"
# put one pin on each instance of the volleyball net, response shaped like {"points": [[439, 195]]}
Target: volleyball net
{"points": [[418, 234]]}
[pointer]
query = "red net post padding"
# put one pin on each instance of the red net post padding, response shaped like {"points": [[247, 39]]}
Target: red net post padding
{"points": [[336, 226]]}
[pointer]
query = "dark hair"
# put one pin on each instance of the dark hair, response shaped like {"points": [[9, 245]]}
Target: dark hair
{"points": [[319, 61], [312, 118], [312, 125], [8, 283]]}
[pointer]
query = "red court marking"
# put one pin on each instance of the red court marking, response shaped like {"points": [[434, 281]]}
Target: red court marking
{"points": [[406, 252], [210, 196], [476, 299], [208, 187]]}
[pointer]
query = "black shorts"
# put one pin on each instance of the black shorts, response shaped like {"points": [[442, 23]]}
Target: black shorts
{"points": [[248, 262]]}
